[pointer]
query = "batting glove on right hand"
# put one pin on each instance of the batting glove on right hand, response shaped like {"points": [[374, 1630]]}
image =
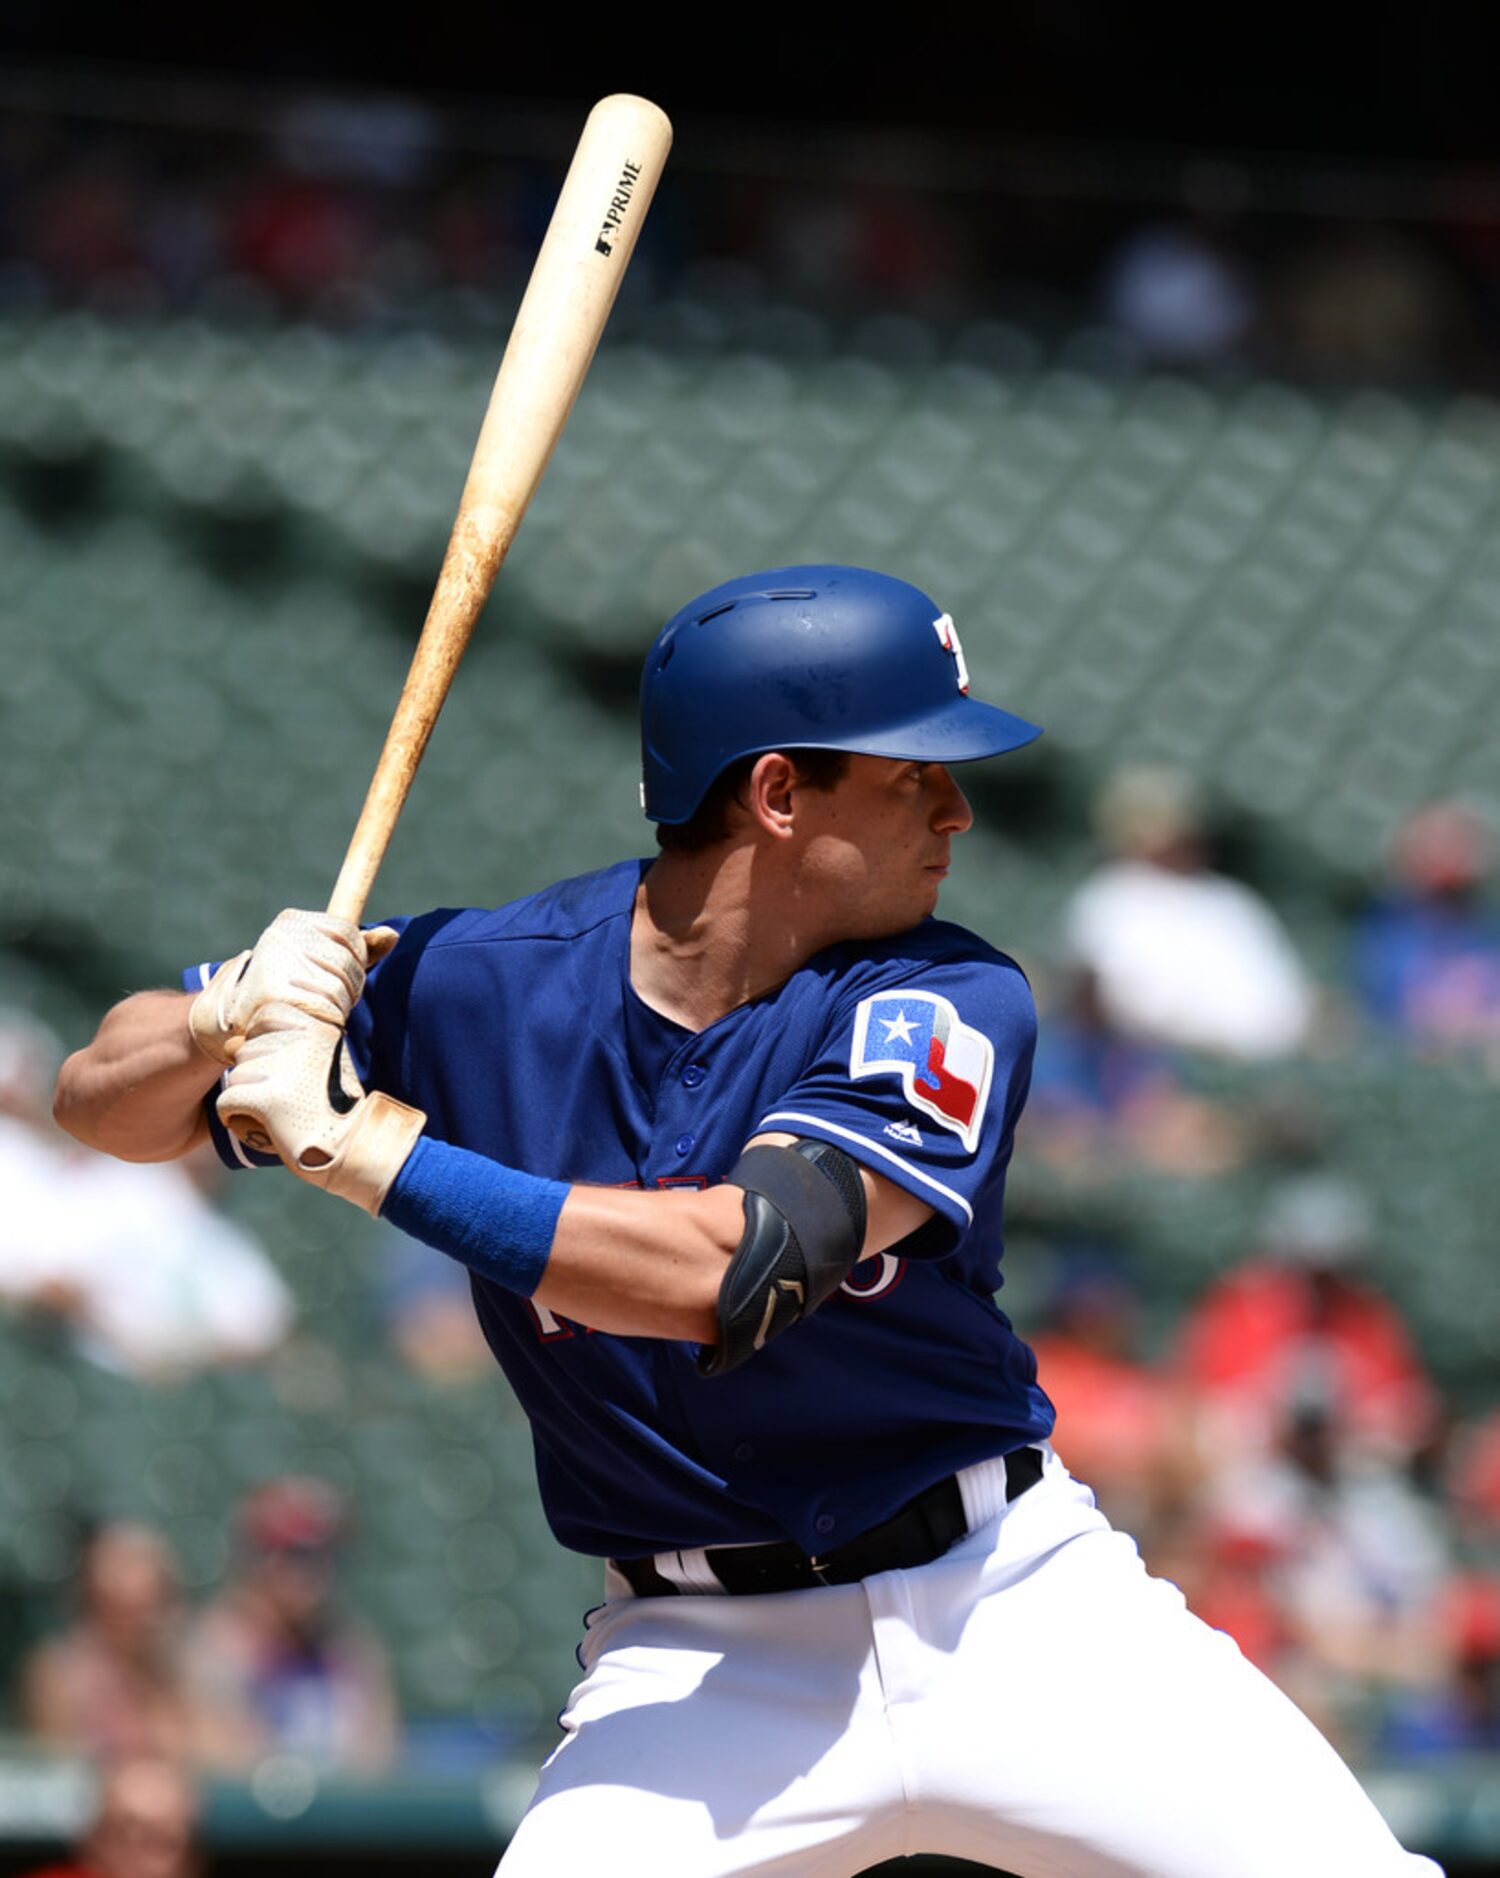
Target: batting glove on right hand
{"points": [[312, 961]]}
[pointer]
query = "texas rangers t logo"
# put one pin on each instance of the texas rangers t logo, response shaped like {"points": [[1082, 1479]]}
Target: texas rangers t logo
{"points": [[944, 1065], [949, 640]]}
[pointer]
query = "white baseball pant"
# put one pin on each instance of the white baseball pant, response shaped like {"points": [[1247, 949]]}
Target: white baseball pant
{"points": [[1031, 1700]]}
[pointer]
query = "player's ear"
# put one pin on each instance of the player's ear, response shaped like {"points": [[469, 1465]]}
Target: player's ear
{"points": [[768, 793]]}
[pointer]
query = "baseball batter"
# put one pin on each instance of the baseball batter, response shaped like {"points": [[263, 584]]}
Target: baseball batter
{"points": [[722, 1139]]}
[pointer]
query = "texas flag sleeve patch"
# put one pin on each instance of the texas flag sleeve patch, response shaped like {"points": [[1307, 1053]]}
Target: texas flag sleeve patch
{"points": [[945, 1066]]}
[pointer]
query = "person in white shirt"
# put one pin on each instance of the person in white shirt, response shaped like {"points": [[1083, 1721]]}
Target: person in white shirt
{"points": [[1181, 955], [151, 1278]]}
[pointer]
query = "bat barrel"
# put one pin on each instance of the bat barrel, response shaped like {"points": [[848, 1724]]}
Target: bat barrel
{"points": [[578, 270]]}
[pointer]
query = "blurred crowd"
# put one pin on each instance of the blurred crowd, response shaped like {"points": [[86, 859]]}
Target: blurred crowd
{"points": [[1283, 1452], [157, 1698], [360, 210], [270, 1664], [1281, 1447], [136, 1270], [1281, 1444]]}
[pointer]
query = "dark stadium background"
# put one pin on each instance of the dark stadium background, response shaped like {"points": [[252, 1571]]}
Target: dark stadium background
{"points": [[1384, 82]]}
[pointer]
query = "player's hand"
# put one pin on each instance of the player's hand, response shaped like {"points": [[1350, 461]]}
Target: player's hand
{"points": [[312, 961], [293, 1092]]}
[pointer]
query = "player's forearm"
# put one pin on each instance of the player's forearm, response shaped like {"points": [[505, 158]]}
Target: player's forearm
{"points": [[643, 1264], [637, 1264], [137, 1090]]}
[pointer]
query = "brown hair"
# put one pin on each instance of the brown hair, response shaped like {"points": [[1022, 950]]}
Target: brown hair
{"points": [[709, 823]]}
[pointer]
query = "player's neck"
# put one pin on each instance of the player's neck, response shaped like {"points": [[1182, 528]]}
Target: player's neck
{"points": [[709, 934]]}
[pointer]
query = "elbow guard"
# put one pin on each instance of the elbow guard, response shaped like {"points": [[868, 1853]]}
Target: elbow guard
{"points": [[804, 1232]]}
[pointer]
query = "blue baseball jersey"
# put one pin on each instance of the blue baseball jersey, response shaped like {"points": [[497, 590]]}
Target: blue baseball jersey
{"points": [[518, 1032]]}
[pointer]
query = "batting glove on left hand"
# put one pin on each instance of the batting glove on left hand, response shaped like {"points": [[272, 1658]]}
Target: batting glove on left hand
{"points": [[293, 1092]]}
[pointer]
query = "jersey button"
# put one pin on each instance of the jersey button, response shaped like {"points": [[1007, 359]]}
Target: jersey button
{"points": [[824, 1523], [693, 1075], [684, 1144], [744, 1452]]}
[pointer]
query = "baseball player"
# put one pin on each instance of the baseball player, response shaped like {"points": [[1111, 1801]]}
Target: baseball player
{"points": [[722, 1139]]}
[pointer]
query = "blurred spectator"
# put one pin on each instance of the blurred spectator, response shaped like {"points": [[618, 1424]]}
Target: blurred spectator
{"points": [[1472, 1482], [384, 139], [1102, 1102], [111, 1684], [274, 1664], [1179, 293], [1352, 1559], [1427, 955], [1122, 1425], [145, 1825], [1298, 1322], [1363, 302], [1461, 1715], [151, 1278], [84, 217], [429, 1312], [1181, 955], [1223, 1572], [300, 235]]}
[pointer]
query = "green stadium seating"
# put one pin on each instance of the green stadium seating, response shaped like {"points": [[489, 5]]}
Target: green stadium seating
{"points": [[216, 543]]}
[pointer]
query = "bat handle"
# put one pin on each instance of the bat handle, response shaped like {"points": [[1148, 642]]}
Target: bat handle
{"points": [[352, 888], [388, 790]]}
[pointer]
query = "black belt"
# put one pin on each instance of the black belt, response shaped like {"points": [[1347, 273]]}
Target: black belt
{"points": [[923, 1529]]}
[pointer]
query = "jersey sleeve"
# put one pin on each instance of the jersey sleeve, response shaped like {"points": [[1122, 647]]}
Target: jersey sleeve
{"points": [[375, 1037], [921, 1076]]}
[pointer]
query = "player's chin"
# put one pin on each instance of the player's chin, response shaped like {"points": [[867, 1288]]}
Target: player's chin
{"points": [[919, 905]]}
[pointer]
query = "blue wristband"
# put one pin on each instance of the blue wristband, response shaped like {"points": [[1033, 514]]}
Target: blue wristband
{"points": [[492, 1218]]}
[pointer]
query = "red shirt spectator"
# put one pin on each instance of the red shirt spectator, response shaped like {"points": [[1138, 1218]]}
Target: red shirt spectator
{"points": [[1297, 1319], [1121, 1425]]}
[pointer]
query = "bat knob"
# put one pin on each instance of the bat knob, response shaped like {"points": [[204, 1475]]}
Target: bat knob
{"points": [[247, 1129]]}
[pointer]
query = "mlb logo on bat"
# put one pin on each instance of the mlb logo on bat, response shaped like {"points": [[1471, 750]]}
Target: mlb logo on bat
{"points": [[944, 1064]]}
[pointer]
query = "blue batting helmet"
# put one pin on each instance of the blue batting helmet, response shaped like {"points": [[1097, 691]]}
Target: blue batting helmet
{"points": [[825, 658]]}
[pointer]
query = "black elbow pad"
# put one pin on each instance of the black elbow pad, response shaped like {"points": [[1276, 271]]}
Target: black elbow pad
{"points": [[804, 1231]]}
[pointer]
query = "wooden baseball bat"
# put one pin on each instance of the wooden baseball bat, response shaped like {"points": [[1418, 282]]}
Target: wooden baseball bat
{"points": [[578, 270]]}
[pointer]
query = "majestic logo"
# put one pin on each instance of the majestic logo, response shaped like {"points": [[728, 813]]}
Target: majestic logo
{"points": [[904, 1131], [944, 1065], [949, 640]]}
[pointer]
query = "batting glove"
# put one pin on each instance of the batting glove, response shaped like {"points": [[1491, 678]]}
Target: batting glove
{"points": [[312, 961], [293, 1092]]}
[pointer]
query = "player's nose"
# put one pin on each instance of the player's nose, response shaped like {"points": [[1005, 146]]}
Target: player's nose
{"points": [[951, 814]]}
